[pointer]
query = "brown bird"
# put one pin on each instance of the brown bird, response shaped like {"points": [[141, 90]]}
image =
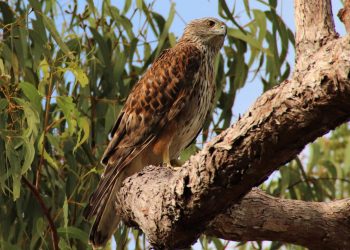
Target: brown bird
{"points": [[162, 115]]}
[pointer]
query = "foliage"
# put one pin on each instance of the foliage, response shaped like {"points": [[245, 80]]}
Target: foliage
{"points": [[64, 75]]}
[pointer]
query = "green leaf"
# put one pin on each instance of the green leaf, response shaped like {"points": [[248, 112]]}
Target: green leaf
{"points": [[218, 243], [139, 4], [16, 186], [45, 69], [165, 31], [83, 124], [7, 13], [73, 233], [6, 245], [28, 156], [81, 77], [227, 14], [44, 66], [79, 74], [2, 67], [40, 225], [247, 38], [331, 169], [63, 244], [123, 238], [126, 6], [31, 116], [46, 156], [103, 47], [52, 29], [70, 112], [285, 180], [260, 19], [246, 7], [65, 212], [32, 94], [314, 156], [190, 150], [3, 104]]}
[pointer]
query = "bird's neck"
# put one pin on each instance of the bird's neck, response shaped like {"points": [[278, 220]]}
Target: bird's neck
{"points": [[206, 49]]}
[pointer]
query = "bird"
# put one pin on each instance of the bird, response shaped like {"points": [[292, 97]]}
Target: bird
{"points": [[162, 115]]}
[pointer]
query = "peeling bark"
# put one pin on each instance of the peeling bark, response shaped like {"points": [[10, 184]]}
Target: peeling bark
{"points": [[315, 225], [314, 26], [174, 207]]}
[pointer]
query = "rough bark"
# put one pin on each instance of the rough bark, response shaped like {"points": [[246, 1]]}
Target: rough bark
{"points": [[174, 207], [315, 225], [314, 26]]}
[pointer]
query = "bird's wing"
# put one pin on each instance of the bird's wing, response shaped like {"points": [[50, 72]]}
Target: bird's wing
{"points": [[155, 100]]}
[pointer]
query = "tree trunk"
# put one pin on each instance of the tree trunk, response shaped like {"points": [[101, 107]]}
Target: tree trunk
{"points": [[174, 207]]}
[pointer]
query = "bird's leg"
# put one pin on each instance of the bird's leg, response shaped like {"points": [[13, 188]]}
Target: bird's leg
{"points": [[162, 145], [166, 157]]}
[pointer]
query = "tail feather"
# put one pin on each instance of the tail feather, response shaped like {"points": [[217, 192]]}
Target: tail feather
{"points": [[107, 219], [102, 202]]}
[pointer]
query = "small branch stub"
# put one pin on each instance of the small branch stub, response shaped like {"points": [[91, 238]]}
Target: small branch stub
{"points": [[314, 28]]}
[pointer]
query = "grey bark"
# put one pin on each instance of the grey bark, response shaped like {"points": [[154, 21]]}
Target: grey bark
{"points": [[315, 225], [174, 207]]}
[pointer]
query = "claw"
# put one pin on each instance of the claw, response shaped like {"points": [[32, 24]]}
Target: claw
{"points": [[176, 163]]}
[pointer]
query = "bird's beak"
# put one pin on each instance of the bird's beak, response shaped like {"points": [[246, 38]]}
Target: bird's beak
{"points": [[222, 29]]}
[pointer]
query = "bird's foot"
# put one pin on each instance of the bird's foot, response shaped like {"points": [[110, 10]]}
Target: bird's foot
{"points": [[176, 163], [170, 166]]}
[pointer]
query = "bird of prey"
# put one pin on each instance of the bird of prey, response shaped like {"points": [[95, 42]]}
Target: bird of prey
{"points": [[164, 112]]}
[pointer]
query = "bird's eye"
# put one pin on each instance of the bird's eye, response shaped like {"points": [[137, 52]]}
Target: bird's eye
{"points": [[211, 23]]}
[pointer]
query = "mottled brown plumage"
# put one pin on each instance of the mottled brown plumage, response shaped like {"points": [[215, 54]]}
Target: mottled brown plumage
{"points": [[163, 113]]}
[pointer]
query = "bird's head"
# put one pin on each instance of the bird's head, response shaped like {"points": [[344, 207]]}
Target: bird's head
{"points": [[207, 31]]}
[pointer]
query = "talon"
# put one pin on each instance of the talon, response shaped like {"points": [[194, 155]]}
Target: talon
{"points": [[168, 165], [176, 163]]}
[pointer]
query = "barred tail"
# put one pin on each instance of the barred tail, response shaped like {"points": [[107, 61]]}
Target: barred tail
{"points": [[107, 219]]}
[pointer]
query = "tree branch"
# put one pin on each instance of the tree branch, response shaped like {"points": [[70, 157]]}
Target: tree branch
{"points": [[315, 225], [179, 205], [314, 26], [174, 207], [46, 212]]}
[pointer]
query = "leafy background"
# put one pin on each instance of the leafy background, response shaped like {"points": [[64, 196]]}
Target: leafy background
{"points": [[65, 73]]}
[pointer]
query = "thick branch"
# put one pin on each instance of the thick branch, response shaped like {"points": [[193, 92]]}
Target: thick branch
{"points": [[314, 26], [174, 208], [315, 225]]}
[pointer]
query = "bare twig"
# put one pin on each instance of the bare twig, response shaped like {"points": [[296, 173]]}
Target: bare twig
{"points": [[46, 212]]}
